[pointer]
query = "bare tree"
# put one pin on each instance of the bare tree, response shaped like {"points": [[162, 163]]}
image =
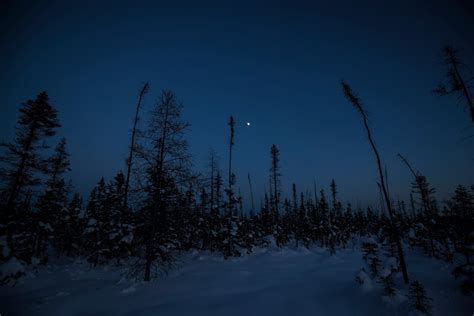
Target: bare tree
{"points": [[143, 91], [356, 102], [251, 192]]}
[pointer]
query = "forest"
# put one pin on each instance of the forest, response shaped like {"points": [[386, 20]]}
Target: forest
{"points": [[159, 206]]}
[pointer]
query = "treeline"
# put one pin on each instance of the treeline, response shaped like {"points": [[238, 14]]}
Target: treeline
{"points": [[144, 217]]}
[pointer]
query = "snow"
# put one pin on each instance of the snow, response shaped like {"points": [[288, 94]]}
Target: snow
{"points": [[364, 280], [11, 267], [129, 290], [389, 266], [270, 281]]}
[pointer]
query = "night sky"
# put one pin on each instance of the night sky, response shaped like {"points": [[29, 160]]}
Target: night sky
{"points": [[276, 65]]}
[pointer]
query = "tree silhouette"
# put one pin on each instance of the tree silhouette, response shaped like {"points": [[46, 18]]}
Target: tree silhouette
{"points": [[38, 120], [355, 101], [456, 84], [143, 91]]}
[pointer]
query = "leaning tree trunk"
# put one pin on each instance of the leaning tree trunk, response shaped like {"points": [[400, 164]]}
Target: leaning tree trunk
{"points": [[357, 104], [132, 144]]}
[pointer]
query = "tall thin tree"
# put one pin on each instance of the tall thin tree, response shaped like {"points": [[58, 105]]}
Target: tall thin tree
{"points": [[143, 91], [213, 169], [231, 177], [275, 176], [356, 102], [167, 168], [251, 192], [333, 187], [315, 193]]}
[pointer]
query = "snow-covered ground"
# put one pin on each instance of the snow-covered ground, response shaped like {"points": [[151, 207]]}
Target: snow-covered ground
{"points": [[267, 282]]}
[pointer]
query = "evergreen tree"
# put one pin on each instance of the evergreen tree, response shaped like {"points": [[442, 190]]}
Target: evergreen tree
{"points": [[22, 162], [457, 85], [275, 178], [418, 299], [215, 221], [51, 214], [121, 228], [75, 227], [303, 229], [325, 219], [429, 215], [213, 170], [371, 256], [98, 218], [388, 285], [38, 120], [166, 164], [461, 213], [333, 187], [231, 200], [229, 240]]}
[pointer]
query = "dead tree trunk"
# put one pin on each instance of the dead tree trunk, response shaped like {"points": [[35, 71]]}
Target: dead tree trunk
{"points": [[132, 144], [251, 193], [357, 104]]}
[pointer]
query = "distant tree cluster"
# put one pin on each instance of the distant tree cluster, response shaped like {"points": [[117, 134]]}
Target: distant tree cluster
{"points": [[160, 207]]}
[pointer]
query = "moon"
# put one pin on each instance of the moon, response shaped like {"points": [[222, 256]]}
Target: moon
{"points": [[248, 123]]}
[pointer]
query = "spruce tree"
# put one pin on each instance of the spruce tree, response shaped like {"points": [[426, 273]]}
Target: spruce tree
{"points": [[456, 83], [229, 240], [52, 204], [215, 215], [371, 256], [97, 223], [388, 285], [275, 177], [23, 163], [121, 228], [212, 173], [75, 226], [418, 298], [461, 213], [38, 121], [429, 213], [333, 187], [166, 167]]}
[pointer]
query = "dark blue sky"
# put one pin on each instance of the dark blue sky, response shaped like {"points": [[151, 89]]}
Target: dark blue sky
{"points": [[275, 64]]}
